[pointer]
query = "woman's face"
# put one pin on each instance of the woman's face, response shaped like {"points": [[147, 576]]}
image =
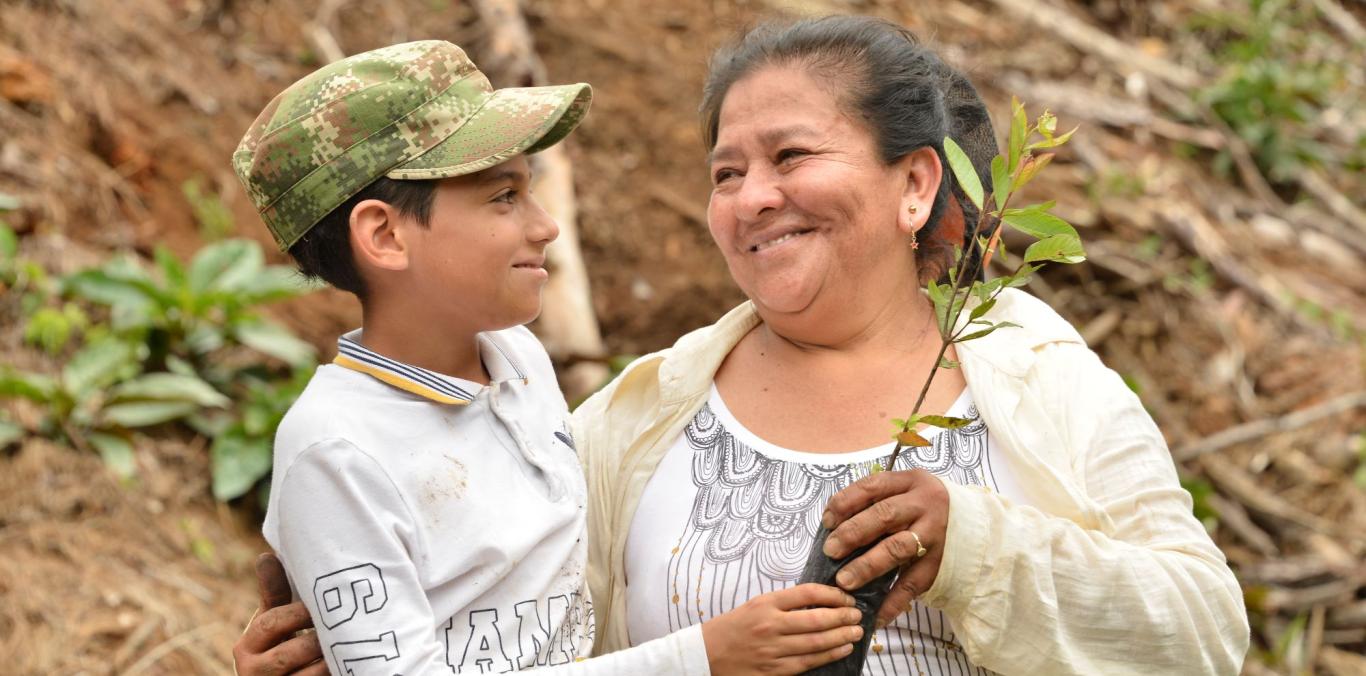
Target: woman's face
{"points": [[802, 206]]}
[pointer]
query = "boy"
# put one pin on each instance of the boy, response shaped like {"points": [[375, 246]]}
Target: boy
{"points": [[427, 501]]}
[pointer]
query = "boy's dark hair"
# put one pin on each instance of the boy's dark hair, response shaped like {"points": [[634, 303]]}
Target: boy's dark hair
{"points": [[324, 252]]}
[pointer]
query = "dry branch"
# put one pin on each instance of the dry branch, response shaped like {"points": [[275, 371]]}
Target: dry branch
{"points": [[1092, 40], [1258, 429], [568, 323]]}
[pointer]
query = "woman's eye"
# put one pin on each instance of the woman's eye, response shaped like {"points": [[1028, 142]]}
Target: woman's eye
{"points": [[722, 175], [790, 154], [507, 197]]}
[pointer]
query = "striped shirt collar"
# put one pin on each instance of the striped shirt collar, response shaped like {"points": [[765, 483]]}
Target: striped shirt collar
{"points": [[431, 385]]}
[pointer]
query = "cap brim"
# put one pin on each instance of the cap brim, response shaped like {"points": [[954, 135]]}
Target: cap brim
{"points": [[512, 121]]}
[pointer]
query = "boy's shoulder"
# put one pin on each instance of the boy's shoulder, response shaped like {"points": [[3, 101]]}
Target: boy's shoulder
{"points": [[337, 403]]}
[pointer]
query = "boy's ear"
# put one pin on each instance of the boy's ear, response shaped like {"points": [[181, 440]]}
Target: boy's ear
{"points": [[376, 239]]}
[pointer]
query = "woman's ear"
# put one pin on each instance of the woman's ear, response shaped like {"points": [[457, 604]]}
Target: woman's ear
{"points": [[376, 239], [923, 173]]}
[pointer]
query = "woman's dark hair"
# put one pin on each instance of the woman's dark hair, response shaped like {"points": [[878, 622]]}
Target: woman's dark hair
{"points": [[324, 252], [882, 74]]}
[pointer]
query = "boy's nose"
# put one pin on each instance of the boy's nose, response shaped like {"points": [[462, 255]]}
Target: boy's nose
{"points": [[544, 228]]}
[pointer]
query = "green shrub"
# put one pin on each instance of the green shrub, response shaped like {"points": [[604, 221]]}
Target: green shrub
{"points": [[174, 343]]}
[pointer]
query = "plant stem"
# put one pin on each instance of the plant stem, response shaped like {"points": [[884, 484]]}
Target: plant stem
{"points": [[951, 317]]}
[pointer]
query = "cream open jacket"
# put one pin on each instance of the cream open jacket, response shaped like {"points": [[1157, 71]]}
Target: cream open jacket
{"points": [[1110, 573]]}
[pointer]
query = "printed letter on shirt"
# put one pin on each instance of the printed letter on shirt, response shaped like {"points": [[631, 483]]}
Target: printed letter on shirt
{"points": [[484, 650], [346, 652], [338, 594]]}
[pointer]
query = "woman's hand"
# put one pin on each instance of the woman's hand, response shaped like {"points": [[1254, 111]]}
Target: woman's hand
{"points": [[904, 506], [269, 646], [788, 631]]}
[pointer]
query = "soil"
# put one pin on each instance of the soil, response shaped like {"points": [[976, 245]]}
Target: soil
{"points": [[108, 108]]}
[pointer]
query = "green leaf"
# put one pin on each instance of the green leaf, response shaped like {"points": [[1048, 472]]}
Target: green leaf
{"points": [[9, 242], [1048, 123], [1000, 181], [274, 282], [276, 341], [238, 463], [1021, 276], [100, 287], [48, 328], [171, 269], [169, 387], [946, 363], [32, 386], [911, 438], [116, 452], [1057, 248], [205, 338], [1038, 224], [963, 172], [10, 432], [945, 312], [1031, 168], [98, 365], [1051, 142], [225, 266], [981, 309], [985, 332], [1019, 125], [983, 290], [145, 413], [945, 422]]}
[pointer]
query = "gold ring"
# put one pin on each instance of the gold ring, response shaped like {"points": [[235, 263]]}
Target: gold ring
{"points": [[920, 550]]}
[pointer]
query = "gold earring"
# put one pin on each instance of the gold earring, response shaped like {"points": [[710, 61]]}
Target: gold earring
{"points": [[914, 244]]}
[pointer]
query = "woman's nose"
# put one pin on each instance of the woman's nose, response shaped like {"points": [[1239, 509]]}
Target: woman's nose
{"points": [[759, 193]]}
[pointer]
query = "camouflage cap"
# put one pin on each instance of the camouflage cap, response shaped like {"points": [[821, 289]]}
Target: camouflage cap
{"points": [[418, 110]]}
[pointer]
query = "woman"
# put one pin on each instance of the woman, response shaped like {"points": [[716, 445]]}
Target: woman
{"points": [[1055, 536]]}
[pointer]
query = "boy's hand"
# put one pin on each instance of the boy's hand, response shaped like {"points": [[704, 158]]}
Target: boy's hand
{"points": [[783, 632], [269, 646]]}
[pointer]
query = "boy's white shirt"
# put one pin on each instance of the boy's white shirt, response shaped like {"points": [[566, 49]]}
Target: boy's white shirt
{"points": [[432, 525], [1110, 574]]}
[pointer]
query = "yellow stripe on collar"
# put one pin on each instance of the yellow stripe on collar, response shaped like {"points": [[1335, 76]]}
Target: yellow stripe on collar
{"points": [[398, 381]]}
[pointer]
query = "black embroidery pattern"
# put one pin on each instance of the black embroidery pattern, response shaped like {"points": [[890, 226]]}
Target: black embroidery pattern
{"points": [[754, 518]]}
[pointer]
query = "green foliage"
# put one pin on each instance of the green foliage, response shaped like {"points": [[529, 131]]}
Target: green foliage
{"points": [[51, 328], [214, 219], [242, 438], [192, 311], [1201, 491], [1283, 81], [176, 343], [1056, 242]]}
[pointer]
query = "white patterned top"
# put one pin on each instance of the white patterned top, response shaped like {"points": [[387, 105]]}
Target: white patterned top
{"points": [[742, 523]]}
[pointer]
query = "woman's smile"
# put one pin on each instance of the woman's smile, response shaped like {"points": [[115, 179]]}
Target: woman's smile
{"points": [[767, 245]]}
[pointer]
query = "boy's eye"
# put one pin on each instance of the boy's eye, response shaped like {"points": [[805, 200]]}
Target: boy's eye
{"points": [[507, 196]]}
